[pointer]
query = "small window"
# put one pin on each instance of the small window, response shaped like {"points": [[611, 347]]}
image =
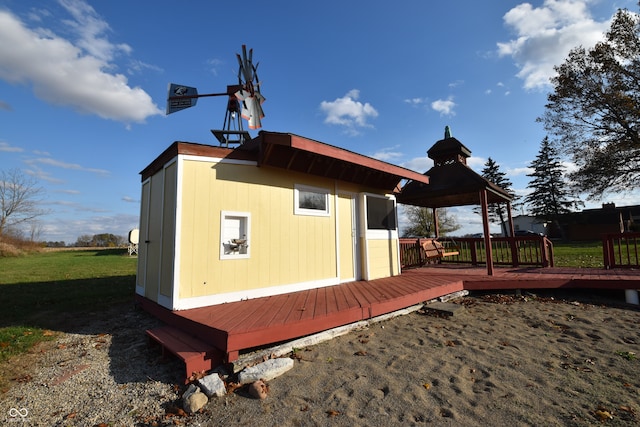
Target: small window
{"points": [[311, 201], [381, 213], [235, 235]]}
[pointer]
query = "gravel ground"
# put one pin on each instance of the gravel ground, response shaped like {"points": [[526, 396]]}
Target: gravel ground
{"points": [[101, 373], [502, 361]]}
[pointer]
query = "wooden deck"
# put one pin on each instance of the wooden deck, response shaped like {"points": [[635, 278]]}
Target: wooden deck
{"points": [[233, 327]]}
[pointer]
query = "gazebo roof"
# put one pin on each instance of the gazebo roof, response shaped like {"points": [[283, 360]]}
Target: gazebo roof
{"points": [[451, 181]]}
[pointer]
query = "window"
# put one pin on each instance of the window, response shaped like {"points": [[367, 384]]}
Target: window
{"points": [[381, 213], [234, 234], [311, 201]]}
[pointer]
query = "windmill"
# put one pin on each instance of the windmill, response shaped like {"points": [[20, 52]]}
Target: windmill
{"points": [[244, 101]]}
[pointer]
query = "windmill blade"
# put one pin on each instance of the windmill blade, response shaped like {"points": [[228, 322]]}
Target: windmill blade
{"points": [[246, 66]]}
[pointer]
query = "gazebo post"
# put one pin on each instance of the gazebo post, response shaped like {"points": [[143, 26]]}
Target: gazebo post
{"points": [[485, 226], [436, 228], [512, 242], [510, 219]]}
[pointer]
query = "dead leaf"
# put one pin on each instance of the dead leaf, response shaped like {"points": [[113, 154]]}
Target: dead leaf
{"points": [[603, 415], [71, 416], [360, 353], [23, 379], [426, 385], [333, 413], [48, 333], [231, 387], [174, 411], [627, 408], [450, 344], [197, 375]]}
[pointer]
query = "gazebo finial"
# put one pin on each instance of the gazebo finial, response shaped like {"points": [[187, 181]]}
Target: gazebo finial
{"points": [[447, 132]]}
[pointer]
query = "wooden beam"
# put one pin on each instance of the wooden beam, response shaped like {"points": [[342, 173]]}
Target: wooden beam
{"points": [[487, 234]]}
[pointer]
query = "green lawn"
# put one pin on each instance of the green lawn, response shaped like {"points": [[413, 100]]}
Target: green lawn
{"points": [[37, 288], [582, 254]]}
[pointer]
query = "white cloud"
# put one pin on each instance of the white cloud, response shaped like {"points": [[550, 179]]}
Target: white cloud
{"points": [[546, 34], [518, 171], [418, 164], [476, 163], [6, 147], [72, 73], [70, 166], [348, 112], [387, 154], [415, 101], [68, 230], [444, 106]]}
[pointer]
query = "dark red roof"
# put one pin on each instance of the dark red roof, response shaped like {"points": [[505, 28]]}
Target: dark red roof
{"points": [[296, 153]]}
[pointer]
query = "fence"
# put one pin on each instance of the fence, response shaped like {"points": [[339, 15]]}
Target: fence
{"points": [[620, 250], [512, 251]]}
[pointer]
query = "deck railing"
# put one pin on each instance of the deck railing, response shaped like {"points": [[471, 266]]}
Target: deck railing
{"points": [[621, 250], [513, 251]]}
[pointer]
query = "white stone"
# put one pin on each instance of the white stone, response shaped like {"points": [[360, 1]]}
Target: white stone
{"points": [[194, 402], [266, 371], [212, 385]]}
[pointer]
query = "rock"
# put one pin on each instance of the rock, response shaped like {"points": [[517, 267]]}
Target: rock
{"points": [[266, 371], [258, 390], [194, 402], [212, 385], [189, 391]]}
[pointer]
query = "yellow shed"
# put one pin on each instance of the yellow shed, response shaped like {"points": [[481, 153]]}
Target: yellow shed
{"points": [[278, 214]]}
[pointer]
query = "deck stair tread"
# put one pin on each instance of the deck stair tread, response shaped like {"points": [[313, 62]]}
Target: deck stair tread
{"points": [[197, 355]]}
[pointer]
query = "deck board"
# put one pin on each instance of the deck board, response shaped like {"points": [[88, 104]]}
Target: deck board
{"points": [[236, 326]]}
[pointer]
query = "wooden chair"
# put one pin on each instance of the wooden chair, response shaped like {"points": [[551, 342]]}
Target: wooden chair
{"points": [[433, 249]]}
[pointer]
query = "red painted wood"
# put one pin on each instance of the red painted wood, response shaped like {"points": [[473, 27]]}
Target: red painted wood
{"points": [[233, 327], [197, 356]]}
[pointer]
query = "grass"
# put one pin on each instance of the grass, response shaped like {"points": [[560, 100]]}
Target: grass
{"points": [[582, 254], [38, 288]]}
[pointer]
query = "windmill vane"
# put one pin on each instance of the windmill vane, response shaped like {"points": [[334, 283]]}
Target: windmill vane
{"points": [[246, 92]]}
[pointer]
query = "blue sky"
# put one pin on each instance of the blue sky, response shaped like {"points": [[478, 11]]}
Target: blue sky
{"points": [[83, 85]]}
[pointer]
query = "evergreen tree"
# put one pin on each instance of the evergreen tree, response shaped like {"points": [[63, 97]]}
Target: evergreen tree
{"points": [[550, 196], [421, 222], [497, 211]]}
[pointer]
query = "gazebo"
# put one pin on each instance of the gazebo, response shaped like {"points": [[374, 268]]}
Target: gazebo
{"points": [[453, 183]]}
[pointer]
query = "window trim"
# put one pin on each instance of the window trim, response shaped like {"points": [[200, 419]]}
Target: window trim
{"points": [[297, 210], [376, 233], [224, 242]]}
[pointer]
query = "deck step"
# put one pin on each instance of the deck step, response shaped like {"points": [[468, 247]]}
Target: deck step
{"points": [[197, 355]]}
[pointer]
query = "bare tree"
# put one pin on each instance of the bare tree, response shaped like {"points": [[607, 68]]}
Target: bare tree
{"points": [[19, 199], [421, 222]]}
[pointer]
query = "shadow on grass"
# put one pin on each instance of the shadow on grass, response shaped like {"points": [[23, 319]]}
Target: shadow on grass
{"points": [[96, 307]]}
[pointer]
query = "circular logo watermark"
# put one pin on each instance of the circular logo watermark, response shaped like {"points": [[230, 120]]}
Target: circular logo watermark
{"points": [[16, 414]]}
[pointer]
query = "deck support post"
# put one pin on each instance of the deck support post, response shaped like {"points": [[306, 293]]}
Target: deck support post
{"points": [[485, 226]]}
